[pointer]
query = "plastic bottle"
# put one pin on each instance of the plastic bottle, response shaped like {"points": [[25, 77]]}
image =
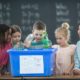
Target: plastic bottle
{"points": [[47, 43]]}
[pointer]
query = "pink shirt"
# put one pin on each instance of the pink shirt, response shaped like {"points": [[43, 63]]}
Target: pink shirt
{"points": [[4, 56], [63, 58]]}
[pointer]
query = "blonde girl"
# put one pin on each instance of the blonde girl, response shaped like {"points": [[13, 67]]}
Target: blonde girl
{"points": [[64, 55]]}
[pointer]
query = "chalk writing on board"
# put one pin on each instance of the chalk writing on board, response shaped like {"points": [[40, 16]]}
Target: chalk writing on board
{"points": [[5, 13], [62, 12], [78, 12], [29, 13]]}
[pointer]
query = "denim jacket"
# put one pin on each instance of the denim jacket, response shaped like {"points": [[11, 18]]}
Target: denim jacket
{"points": [[77, 56]]}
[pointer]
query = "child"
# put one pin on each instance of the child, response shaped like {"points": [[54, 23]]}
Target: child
{"points": [[5, 44], [76, 69], [64, 55], [39, 37], [16, 37]]}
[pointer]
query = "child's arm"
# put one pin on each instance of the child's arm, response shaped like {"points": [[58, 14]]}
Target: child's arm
{"points": [[18, 45], [27, 43], [55, 46], [76, 69], [70, 68], [76, 56], [76, 61]]}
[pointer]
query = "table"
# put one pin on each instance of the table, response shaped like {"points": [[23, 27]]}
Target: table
{"points": [[8, 77]]}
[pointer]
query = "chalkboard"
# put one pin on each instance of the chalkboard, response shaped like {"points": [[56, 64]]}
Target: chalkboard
{"points": [[53, 12]]}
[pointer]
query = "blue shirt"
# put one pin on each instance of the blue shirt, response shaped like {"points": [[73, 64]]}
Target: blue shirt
{"points": [[77, 56]]}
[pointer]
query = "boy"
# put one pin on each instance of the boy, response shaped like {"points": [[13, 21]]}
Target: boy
{"points": [[39, 37]]}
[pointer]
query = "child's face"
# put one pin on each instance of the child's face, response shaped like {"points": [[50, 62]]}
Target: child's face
{"points": [[38, 34], [60, 39], [16, 37], [79, 30]]}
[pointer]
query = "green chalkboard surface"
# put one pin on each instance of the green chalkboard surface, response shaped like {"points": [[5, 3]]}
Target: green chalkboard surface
{"points": [[53, 12]]}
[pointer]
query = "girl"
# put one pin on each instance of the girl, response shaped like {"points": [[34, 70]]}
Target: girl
{"points": [[64, 55], [5, 44], [76, 69], [16, 37]]}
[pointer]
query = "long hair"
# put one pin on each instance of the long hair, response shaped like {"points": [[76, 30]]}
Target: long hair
{"points": [[3, 29]]}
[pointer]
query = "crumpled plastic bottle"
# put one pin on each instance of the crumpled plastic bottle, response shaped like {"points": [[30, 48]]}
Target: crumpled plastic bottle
{"points": [[47, 43]]}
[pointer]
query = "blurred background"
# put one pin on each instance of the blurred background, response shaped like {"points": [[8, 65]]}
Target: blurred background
{"points": [[52, 12]]}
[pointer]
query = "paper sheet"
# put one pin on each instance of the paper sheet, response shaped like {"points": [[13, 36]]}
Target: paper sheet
{"points": [[30, 64]]}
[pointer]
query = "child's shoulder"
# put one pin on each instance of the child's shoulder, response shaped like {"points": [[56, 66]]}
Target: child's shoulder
{"points": [[72, 46], [55, 46], [78, 42]]}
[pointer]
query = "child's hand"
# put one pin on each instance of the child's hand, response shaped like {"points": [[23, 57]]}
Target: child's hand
{"points": [[76, 71], [66, 72], [27, 44], [17, 45]]}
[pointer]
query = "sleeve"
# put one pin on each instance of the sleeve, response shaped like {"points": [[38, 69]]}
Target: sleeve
{"points": [[76, 57], [55, 46], [19, 45]]}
